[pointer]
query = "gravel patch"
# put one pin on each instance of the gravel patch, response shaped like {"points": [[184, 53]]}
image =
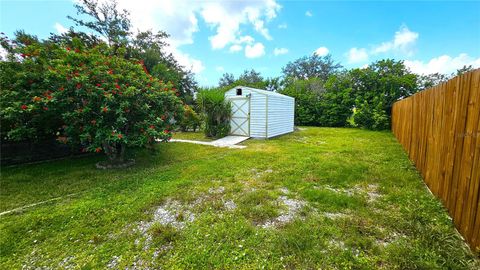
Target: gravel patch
{"points": [[113, 263], [219, 190], [293, 207], [230, 205]]}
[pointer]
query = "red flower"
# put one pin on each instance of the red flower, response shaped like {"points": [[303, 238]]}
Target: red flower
{"points": [[117, 86], [23, 55], [163, 117], [49, 97], [105, 109], [45, 108], [68, 48], [127, 110], [24, 107], [110, 71], [77, 50], [120, 93], [98, 149], [152, 127], [120, 136], [98, 84], [37, 99], [166, 131], [61, 88]]}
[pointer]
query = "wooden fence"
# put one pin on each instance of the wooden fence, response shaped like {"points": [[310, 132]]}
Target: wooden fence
{"points": [[440, 130]]}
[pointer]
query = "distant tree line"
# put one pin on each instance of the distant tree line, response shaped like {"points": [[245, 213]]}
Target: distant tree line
{"points": [[328, 95]]}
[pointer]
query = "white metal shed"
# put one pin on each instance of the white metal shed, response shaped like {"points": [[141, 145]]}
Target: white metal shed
{"points": [[259, 113]]}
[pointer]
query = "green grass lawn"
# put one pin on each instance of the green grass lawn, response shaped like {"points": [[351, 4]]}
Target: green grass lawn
{"points": [[318, 198], [195, 136]]}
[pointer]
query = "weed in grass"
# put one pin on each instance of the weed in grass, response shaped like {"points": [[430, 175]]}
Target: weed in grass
{"points": [[163, 234]]}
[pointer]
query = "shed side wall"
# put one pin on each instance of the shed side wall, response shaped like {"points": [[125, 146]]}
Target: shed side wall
{"points": [[280, 115]]}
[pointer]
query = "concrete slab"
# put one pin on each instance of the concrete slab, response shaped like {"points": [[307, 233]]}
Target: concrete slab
{"points": [[229, 140]]}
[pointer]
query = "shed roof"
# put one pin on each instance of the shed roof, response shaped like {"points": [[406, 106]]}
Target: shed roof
{"points": [[260, 91]]}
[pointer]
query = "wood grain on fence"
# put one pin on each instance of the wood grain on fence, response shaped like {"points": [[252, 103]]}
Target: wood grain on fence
{"points": [[439, 128]]}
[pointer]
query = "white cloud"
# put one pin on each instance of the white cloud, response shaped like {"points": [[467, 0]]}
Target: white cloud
{"points": [[219, 69], [235, 48], [60, 28], [403, 42], [322, 51], [282, 26], [227, 17], [356, 55], [444, 64], [280, 51], [180, 19], [245, 39], [308, 13], [254, 51], [184, 59]]}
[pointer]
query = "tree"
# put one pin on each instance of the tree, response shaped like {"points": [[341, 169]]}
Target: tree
{"points": [[430, 80], [376, 88], [86, 97], [307, 100], [463, 70], [227, 79], [251, 77], [337, 101], [113, 24], [313, 66]]}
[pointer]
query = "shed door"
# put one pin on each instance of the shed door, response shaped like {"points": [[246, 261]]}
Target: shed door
{"points": [[240, 124]]}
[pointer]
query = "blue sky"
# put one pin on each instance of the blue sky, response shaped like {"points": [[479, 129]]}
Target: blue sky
{"points": [[213, 37]]}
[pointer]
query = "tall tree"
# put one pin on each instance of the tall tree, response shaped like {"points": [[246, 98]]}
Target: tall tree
{"points": [[377, 87], [313, 66], [463, 70], [226, 80], [430, 80], [110, 22]]}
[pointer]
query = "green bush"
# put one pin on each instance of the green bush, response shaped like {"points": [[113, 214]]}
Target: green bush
{"points": [[307, 100], [86, 97], [216, 112], [191, 120]]}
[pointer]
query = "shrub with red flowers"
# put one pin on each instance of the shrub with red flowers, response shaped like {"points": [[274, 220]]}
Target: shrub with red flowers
{"points": [[25, 95], [99, 102]]}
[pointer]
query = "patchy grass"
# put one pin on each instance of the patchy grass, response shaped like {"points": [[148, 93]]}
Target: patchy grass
{"points": [[194, 136], [318, 198]]}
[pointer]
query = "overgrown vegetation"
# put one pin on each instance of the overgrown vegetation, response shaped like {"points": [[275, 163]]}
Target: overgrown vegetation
{"points": [[97, 96], [317, 198], [191, 121], [216, 112]]}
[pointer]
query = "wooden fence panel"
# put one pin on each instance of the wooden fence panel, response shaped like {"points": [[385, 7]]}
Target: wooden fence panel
{"points": [[440, 130]]}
